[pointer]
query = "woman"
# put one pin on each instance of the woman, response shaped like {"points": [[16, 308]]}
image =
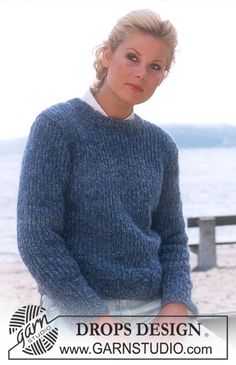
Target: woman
{"points": [[100, 222]]}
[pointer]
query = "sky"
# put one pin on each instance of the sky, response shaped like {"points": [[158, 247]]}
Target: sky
{"points": [[47, 56]]}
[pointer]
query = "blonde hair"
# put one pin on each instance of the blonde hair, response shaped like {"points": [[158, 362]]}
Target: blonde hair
{"points": [[139, 20]]}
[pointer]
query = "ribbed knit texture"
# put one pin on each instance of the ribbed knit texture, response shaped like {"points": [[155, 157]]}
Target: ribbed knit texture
{"points": [[99, 211]]}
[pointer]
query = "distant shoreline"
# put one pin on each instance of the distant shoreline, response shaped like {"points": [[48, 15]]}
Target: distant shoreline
{"points": [[185, 136]]}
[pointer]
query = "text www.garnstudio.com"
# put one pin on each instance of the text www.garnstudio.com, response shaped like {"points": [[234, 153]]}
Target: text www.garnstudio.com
{"points": [[117, 348]]}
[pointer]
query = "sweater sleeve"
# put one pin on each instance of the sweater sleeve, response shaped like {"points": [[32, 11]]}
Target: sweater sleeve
{"points": [[44, 181], [169, 223]]}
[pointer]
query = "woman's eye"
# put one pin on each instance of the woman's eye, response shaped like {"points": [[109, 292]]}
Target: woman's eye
{"points": [[155, 67], [132, 57]]}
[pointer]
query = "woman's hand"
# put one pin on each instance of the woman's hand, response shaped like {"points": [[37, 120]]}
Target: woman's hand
{"points": [[170, 313], [174, 309]]}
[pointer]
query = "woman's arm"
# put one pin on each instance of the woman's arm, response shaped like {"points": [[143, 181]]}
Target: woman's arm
{"points": [[168, 221], [43, 186]]}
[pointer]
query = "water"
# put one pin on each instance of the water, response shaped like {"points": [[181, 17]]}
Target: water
{"points": [[207, 181], [10, 170], [208, 187]]}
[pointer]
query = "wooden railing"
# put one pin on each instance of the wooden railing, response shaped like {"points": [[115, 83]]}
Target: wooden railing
{"points": [[206, 248]]}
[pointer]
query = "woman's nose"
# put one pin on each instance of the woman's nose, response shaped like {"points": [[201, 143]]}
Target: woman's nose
{"points": [[140, 72]]}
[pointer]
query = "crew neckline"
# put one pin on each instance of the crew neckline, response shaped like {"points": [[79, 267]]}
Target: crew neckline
{"points": [[93, 116]]}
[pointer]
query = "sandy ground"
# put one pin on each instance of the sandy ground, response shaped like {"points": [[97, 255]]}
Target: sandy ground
{"points": [[214, 290]]}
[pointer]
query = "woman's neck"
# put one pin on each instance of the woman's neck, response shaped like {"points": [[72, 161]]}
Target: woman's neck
{"points": [[112, 105]]}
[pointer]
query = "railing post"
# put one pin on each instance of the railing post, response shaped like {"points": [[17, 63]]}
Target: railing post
{"points": [[207, 246]]}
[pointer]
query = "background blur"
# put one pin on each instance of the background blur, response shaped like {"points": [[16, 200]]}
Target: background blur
{"points": [[47, 55]]}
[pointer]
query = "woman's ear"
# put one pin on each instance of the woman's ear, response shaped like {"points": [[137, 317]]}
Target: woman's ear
{"points": [[106, 56]]}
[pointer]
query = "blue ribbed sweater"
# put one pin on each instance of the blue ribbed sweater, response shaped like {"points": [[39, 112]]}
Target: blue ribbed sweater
{"points": [[99, 211]]}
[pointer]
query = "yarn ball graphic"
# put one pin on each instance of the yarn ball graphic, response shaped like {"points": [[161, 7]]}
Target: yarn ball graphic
{"points": [[43, 339]]}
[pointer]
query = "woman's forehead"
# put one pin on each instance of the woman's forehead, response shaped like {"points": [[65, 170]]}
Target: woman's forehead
{"points": [[146, 44]]}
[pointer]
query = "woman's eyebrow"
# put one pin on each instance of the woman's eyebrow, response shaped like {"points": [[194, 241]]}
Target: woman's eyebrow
{"points": [[135, 50]]}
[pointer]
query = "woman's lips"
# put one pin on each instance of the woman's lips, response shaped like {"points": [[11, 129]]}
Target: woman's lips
{"points": [[135, 87]]}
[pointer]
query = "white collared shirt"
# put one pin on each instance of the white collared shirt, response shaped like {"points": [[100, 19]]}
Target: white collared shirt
{"points": [[90, 100]]}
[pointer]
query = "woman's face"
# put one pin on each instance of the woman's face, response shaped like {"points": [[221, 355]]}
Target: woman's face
{"points": [[136, 68]]}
